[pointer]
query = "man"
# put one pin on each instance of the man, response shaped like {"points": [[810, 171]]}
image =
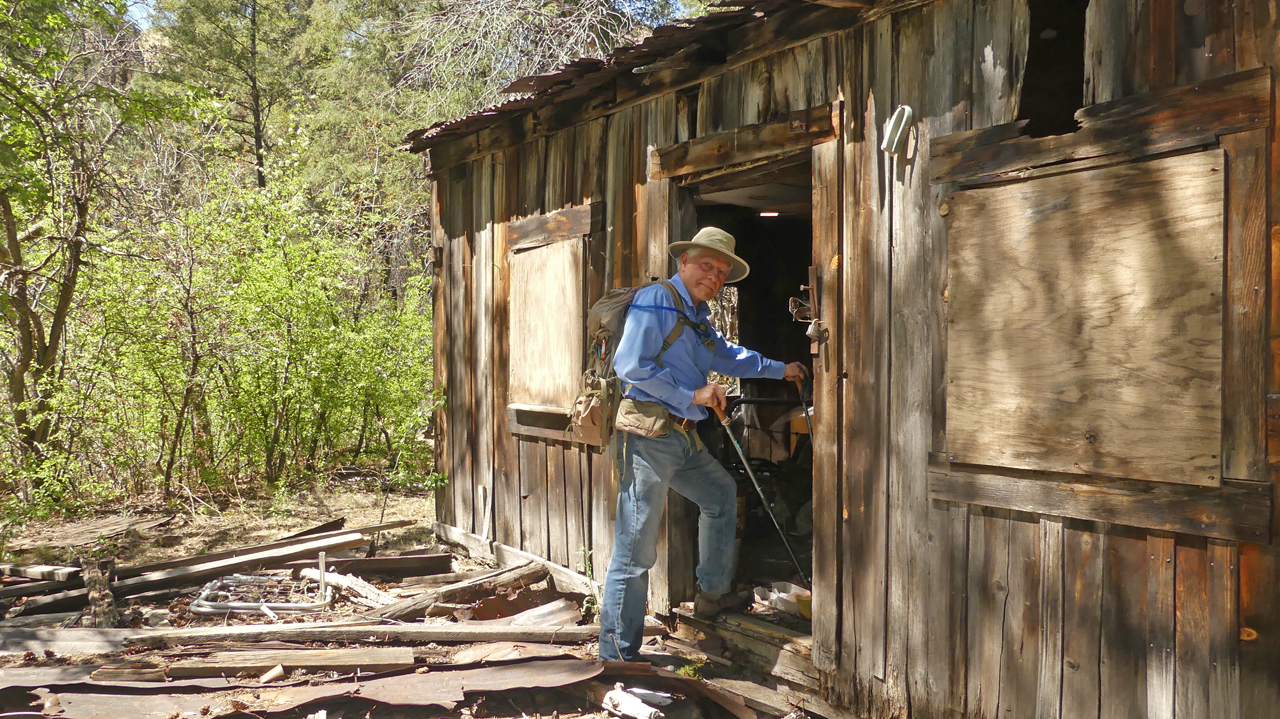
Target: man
{"points": [[657, 446]]}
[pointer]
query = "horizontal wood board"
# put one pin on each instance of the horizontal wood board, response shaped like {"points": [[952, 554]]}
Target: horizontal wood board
{"points": [[1085, 322], [1235, 510], [547, 320]]}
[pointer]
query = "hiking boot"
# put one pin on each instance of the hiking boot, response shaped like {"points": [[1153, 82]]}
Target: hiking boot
{"points": [[709, 605]]}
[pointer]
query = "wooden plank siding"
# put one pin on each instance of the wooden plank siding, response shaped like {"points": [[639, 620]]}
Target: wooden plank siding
{"points": [[941, 590]]}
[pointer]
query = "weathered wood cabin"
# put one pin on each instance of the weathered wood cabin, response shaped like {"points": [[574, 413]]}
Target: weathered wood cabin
{"points": [[1043, 453]]}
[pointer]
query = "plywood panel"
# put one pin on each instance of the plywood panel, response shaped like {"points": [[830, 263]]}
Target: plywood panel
{"points": [[1085, 326], [547, 346]]}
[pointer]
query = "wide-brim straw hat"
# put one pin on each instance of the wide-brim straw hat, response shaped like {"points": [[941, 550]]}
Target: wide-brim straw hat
{"points": [[719, 242]]}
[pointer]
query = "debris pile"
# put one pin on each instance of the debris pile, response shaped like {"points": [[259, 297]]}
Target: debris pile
{"points": [[313, 625]]}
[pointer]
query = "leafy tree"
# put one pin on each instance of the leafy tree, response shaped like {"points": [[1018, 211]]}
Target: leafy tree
{"points": [[245, 55], [65, 99]]}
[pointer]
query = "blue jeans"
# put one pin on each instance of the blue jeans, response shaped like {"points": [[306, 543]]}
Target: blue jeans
{"points": [[648, 467]]}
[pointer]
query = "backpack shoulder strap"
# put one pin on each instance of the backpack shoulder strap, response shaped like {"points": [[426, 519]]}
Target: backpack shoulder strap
{"points": [[682, 321]]}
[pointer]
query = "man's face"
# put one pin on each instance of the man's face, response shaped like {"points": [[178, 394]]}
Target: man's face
{"points": [[704, 275]]}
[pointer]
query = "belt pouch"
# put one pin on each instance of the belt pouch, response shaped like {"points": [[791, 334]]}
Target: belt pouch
{"points": [[647, 419]]}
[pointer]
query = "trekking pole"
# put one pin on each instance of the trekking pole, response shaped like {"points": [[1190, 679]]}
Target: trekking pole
{"points": [[800, 389], [724, 421]]}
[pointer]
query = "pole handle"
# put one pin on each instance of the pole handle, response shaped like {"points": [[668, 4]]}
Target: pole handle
{"points": [[724, 419], [799, 386]]}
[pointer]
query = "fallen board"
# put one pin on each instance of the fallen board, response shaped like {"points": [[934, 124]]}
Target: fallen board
{"points": [[410, 566], [39, 571], [456, 633], [44, 588], [78, 533], [196, 574], [363, 659]]}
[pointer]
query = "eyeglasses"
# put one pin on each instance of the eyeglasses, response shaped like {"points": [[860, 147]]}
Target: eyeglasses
{"points": [[710, 268]]}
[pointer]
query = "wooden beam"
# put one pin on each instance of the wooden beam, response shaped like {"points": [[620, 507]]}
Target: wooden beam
{"points": [[800, 131], [403, 566], [451, 633], [188, 576], [1136, 126], [570, 223], [1237, 510], [39, 571], [566, 580], [470, 590]]}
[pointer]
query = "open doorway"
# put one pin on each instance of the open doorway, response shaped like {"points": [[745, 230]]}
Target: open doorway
{"points": [[768, 209]]}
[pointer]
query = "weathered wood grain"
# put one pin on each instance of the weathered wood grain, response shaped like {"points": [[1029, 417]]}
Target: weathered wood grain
{"points": [[866, 353], [1000, 37], [576, 531], [988, 599], [1224, 630], [557, 506], [799, 131], [506, 451], [1161, 625], [1193, 632], [1148, 124], [1245, 358], [570, 223], [547, 347], [440, 355], [1052, 619], [1081, 620], [486, 415], [1236, 510], [1020, 662], [1123, 664], [1112, 387], [604, 497], [827, 602], [1117, 50]]}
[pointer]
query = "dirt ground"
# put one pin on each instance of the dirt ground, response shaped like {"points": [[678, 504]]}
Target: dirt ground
{"points": [[201, 527]]}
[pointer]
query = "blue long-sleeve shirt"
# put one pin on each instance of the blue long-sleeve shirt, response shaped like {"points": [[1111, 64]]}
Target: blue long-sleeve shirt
{"points": [[686, 363]]}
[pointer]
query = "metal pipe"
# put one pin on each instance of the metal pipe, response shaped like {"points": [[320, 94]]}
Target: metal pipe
{"points": [[724, 421]]}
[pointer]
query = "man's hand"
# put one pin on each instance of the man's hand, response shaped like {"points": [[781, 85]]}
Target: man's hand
{"points": [[710, 396], [794, 371]]}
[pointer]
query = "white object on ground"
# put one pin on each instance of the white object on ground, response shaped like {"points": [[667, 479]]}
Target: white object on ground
{"points": [[619, 701]]}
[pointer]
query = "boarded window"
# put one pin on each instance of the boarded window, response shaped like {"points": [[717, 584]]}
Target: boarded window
{"points": [[1085, 322], [547, 314]]}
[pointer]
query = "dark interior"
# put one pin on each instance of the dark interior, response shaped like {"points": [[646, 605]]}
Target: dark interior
{"points": [[768, 211]]}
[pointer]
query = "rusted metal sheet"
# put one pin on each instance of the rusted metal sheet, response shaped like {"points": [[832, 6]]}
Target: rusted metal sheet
{"points": [[496, 652], [68, 705], [447, 688]]}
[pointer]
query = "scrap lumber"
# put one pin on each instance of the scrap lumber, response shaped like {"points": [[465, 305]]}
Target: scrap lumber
{"points": [[185, 576], [128, 673], [354, 586], [439, 580], [471, 590], [402, 566], [561, 612], [45, 588], [332, 526], [39, 571], [422, 634], [363, 659], [78, 533]]}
